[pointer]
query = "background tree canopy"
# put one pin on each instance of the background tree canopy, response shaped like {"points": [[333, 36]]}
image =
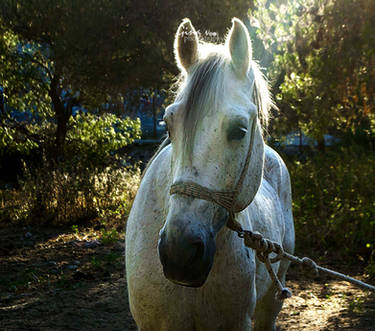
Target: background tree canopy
{"points": [[321, 55], [89, 52], [320, 59], [68, 68]]}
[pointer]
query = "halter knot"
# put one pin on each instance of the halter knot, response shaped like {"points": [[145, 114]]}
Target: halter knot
{"points": [[263, 247]]}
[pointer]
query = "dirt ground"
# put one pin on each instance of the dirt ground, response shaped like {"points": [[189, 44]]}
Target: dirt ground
{"points": [[68, 279]]}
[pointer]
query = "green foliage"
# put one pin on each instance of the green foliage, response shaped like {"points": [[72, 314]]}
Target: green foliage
{"points": [[95, 263], [75, 228], [100, 47], [66, 193], [109, 236], [113, 258], [95, 138], [334, 201], [370, 269], [11, 141], [321, 58], [58, 54], [357, 305], [22, 74], [25, 88]]}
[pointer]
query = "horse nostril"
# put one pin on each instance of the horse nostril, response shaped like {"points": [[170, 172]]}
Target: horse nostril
{"points": [[198, 251]]}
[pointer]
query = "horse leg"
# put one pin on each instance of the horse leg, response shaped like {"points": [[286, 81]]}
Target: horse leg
{"points": [[243, 325], [269, 306]]}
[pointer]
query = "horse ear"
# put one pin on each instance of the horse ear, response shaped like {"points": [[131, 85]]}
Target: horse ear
{"points": [[239, 44], [186, 45]]}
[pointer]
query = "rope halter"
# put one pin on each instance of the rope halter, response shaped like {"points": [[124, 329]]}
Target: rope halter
{"points": [[226, 199]]}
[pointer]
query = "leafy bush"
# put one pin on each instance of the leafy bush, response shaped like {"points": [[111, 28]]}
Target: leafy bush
{"points": [[66, 193], [88, 181], [93, 139], [334, 201]]}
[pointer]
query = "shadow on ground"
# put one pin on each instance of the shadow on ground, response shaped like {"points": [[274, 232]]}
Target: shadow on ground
{"points": [[59, 279]]}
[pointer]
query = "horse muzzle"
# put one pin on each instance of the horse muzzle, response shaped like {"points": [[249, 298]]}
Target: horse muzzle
{"points": [[186, 256]]}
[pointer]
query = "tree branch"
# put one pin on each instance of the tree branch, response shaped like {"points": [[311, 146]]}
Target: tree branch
{"points": [[33, 60]]}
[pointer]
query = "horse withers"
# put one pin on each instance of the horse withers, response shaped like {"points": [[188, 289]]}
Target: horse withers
{"points": [[185, 269]]}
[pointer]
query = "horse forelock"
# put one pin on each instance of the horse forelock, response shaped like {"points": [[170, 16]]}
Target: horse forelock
{"points": [[201, 94]]}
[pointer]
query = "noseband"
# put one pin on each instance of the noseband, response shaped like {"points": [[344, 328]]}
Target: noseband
{"points": [[226, 199]]}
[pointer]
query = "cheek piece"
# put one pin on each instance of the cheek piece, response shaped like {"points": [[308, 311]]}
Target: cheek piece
{"points": [[226, 199]]}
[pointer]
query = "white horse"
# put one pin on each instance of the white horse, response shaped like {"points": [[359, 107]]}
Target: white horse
{"points": [[185, 269]]}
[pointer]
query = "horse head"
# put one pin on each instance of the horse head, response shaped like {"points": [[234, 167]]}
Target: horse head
{"points": [[213, 125]]}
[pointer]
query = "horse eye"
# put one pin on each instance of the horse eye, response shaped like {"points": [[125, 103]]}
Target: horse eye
{"points": [[168, 131], [237, 133]]}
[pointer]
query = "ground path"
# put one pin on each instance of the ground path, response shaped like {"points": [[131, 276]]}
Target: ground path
{"points": [[54, 279]]}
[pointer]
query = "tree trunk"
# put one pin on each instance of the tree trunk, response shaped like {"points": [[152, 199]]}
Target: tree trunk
{"points": [[321, 144], [62, 116]]}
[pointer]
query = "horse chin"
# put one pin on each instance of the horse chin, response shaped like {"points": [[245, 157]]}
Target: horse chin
{"points": [[189, 284], [186, 278]]}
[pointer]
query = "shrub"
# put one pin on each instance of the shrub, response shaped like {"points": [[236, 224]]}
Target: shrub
{"points": [[334, 201], [70, 193], [93, 139], [87, 181]]}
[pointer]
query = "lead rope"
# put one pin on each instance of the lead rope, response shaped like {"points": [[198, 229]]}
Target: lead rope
{"points": [[254, 240], [264, 247]]}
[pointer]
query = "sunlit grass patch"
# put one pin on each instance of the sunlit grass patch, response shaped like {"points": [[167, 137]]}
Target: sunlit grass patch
{"points": [[67, 194]]}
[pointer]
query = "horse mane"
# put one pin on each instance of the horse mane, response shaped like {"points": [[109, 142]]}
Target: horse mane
{"points": [[204, 85], [262, 96]]}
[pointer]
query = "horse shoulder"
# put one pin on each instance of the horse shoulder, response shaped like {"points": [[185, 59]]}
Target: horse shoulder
{"points": [[277, 175], [275, 171], [271, 210]]}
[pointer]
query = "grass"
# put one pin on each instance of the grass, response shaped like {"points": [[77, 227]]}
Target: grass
{"points": [[71, 194], [109, 236]]}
